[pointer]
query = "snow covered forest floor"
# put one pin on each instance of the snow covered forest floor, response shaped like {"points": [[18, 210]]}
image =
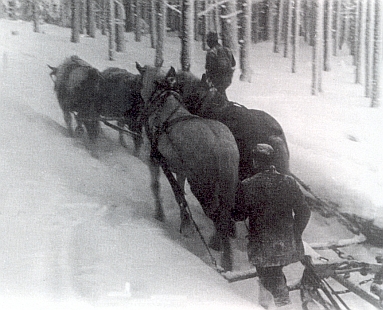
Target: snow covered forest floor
{"points": [[78, 231]]}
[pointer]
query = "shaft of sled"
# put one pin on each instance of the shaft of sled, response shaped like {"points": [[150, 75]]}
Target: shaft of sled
{"points": [[234, 276]]}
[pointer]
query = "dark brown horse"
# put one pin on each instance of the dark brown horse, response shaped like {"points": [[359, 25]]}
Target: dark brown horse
{"points": [[76, 84], [93, 96], [202, 150], [249, 127]]}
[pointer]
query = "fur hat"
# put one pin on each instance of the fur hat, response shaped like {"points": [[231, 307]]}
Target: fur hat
{"points": [[263, 153]]}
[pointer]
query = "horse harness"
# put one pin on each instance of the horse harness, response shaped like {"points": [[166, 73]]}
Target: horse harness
{"points": [[157, 130]]}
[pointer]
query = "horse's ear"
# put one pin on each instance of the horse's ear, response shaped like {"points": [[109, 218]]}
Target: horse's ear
{"points": [[54, 69], [171, 72], [140, 68], [204, 78]]}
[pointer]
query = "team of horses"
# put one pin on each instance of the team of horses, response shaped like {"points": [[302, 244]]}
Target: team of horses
{"points": [[194, 133]]}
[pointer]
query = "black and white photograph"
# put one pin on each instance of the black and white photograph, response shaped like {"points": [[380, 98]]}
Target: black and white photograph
{"points": [[191, 154]]}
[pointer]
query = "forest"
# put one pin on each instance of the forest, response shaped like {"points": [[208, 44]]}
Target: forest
{"points": [[327, 25]]}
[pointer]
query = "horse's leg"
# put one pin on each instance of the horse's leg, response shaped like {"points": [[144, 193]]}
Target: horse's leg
{"points": [[155, 186], [121, 124], [68, 122]]}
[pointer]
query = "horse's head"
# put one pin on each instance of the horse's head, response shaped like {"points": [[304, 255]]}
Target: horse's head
{"points": [[154, 81]]}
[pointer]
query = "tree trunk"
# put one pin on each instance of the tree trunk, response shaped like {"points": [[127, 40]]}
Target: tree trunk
{"points": [[104, 24], [288, 28], [111, 29], [187, 34], [137, 33], [153, 11], [359, 51], [377, 57], [368, 48], [120, 28], [36, 16], [161, 33], [328, 34], [278, 26], [296, 35], [246, 41], [91, 25], [270, 19], [316, 64], [229, 26], [82, 16], [75, 38], [338, 26]]}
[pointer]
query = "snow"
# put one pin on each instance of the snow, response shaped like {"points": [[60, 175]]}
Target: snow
{"points": [[78, 232]]}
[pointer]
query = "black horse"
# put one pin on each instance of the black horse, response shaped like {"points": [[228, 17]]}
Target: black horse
{"points": [[93, 96], [249, 127], [76, 84]]}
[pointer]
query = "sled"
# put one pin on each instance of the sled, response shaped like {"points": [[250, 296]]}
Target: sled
{"points": [[315, 288]]}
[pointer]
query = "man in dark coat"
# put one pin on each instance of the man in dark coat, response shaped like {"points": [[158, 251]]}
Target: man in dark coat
{"points": [[278, 215], [220, 63]]}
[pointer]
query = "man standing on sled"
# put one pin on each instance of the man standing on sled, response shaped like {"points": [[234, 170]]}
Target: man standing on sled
{"points": [[220, 64], [278, 215]]}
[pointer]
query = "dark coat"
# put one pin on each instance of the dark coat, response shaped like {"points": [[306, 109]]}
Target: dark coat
{"points": [[278, 215], [220, 79]]}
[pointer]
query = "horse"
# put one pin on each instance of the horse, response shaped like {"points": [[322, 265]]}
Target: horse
{"points": [[120, 99], [249, 126], [202, 150], [76, 84], [93, 96]]}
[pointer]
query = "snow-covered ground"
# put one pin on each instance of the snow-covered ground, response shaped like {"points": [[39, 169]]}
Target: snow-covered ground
{"points": [[78, 232]]}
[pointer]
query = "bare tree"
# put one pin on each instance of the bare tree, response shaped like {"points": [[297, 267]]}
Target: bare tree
{"points": [[316, 63], [297, 6], [287, 28], [36, 16], [153, 23], [278, 26], [246, 41], [75, 37], [120, 26], [368, 47], [338, 26], [137, 33], [91, 25], [161, 32], [270, 19], [359, 51], [111, 29], [187, 34], [229, 26], [328, 34], [377, 58]]}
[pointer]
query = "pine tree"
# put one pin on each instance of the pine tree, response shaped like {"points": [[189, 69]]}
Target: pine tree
{"points": [[161, 33], [270, 19], [338, 26], [316, 64], [229, 26], [296, 34], [359, 46], [91, 25], [137, 33], [153, 23], [36, 16], [187, 34], [120, 28], [328, 34], [368, 48], [75, 37], [111, 29], [377, 57], [246, 41], [287, 28], [278, 26]]}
